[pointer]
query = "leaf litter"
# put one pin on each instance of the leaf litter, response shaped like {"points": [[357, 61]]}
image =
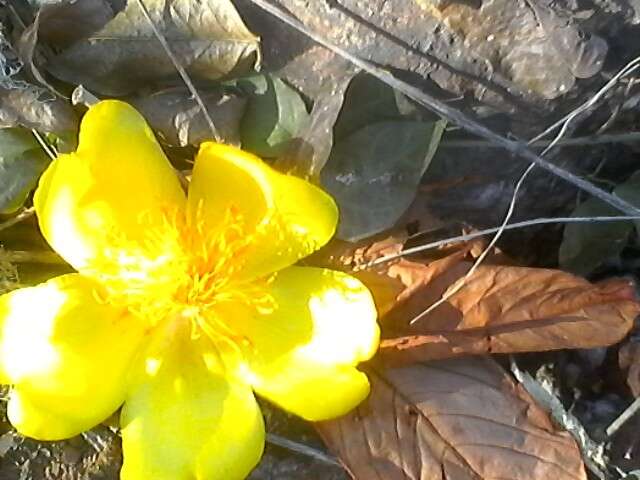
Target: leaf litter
{"points": [[511, 66]]}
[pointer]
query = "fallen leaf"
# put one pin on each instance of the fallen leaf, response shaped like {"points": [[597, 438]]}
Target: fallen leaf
{"points": [[21, 163], [461, 419], [176, 115], [502, 309], [35, 107], [374, 173], [495, 50], [27, 105], [209, 38], [309, 152]]}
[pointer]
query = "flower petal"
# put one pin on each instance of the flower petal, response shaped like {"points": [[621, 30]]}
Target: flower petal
{"points": [[186, 420], [289, 217], [66, 354], [303, 353], [115, 188]]}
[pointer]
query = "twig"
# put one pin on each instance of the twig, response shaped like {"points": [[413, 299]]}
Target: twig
{"points": [[451, 114], [488, 231], [48, 149], [460, 283], [183, 73], [629, 412], [564, 122], [630, 137], [24, 214], [591, 451], [630, 67], [302, 449]]}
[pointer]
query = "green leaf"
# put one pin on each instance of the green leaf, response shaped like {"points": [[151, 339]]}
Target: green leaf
{"points": [[22, 161], [367, 101], [587, 246], [374, 173], [275, 114]]}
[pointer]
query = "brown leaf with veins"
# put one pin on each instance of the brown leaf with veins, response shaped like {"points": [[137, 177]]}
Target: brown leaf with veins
{"points": [[459, 419], [502, 309]]}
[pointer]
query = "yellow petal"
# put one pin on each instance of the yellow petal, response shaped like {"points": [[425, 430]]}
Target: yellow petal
{"points": [[185, 419], [288, 217], [66, 354], [304, 351], [111, 192]]}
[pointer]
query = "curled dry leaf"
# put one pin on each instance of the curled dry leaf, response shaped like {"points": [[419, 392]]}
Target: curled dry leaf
{"points": [[499, 309], [461, 419], [177, 115], [510, 309], [123, 55]]}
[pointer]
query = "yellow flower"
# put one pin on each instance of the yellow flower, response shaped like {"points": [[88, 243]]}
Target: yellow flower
{"points": [[182, 307]]}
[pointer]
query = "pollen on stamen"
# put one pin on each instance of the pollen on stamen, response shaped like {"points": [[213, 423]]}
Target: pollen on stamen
{"points": [[182, 267]]}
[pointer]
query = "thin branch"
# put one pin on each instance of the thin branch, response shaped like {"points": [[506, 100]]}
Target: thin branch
{"points": [[461, 283], [591, 451], [48, 149], [451, 114], [489, 231], [183, 73], [629, 412], [23, 215], [302, 449], [629, 137], [564, 127]]}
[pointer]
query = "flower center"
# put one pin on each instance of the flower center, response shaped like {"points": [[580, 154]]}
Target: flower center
{"points": [[184, 266]]}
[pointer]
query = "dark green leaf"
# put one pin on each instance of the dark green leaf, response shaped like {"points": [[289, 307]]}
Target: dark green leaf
{"points": [[367, 101], [275, 114], [587, 246], [21, 163], [374, 173]]}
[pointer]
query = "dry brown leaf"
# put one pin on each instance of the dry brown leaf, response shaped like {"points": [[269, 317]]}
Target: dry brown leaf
{"points": [[507, 309], [460, 419], [629, 358]]}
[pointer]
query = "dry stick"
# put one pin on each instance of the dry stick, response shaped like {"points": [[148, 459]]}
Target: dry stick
{"points": [[488, 231], [181, 71], [302, 449], [456, 287], [628, 137], [451, 114], [564, 123], [629, 412], [48, 149]]}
